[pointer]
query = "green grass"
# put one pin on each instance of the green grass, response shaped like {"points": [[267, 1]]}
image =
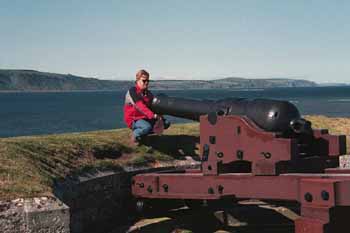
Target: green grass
{"points": [[338, 125], [30, 165]]}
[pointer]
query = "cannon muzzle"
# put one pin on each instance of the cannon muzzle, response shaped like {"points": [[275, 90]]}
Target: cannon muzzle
{"points": [[270, 115]]}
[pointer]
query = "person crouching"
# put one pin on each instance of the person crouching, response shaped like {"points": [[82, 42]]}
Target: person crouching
{"points": [[137, 113]]}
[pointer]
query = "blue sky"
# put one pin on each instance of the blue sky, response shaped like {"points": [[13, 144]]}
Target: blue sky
{"points": [[178, 39]]}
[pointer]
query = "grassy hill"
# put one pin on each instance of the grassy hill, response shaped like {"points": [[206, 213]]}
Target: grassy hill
{"points": [[30, 165], [31, 80]]}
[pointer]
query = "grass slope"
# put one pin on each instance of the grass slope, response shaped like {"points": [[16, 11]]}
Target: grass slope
{"points": [[29, 165]]}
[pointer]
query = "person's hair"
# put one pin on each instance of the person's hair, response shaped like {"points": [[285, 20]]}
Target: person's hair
{"points": [[140, 73]]}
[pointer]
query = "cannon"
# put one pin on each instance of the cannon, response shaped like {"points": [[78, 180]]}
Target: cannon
{"points": [[260, 149], [270, 115]]}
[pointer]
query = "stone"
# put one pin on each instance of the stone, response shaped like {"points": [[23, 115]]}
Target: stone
{"points": [[11, 217], [51, 216]]}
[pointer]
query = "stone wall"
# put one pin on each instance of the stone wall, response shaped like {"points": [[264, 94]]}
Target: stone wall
{"points": [[93, 203], [12, 216], [34, 215], [99, 202], [96, 202]]}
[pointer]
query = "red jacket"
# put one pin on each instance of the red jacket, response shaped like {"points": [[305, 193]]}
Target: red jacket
{"points": [[137, 105]]}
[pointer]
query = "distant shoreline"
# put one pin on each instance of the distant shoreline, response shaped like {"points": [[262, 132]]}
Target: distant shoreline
{"points": [[53, 91], [152, 89], [36, 81], [158, 89]]}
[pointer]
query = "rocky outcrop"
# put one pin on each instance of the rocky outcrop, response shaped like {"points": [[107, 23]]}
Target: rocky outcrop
{"points": [[32, 215]]}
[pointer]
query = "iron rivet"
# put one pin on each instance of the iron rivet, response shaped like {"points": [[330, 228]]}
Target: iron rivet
{"points": [[211, 191], [221, 189], [239, 154], [212, 139], [220, 154], [149, 189], [308, 197], [325, 195], [209, 168], [267, 155], [165, 187]]}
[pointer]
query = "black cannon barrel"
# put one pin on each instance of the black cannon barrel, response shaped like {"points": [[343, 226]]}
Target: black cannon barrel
{"points": [[270, 115]]}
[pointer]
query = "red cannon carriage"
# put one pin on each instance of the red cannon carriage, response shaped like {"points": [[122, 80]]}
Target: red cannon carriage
{"points": [[241, 159]]}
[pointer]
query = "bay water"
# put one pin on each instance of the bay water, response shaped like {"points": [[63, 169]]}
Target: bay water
{"points": [[37, 113]]}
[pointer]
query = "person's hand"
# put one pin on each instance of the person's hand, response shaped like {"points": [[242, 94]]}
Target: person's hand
{"points": [[157, 117]]}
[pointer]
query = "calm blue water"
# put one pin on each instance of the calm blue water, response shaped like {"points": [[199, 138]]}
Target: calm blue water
{"points": [[47, 113]]}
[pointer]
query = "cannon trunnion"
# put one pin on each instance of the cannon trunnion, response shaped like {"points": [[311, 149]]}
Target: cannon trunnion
{"points": [[240, 159]]}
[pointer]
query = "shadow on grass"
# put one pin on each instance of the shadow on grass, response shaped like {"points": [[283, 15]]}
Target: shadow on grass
{"points": [[110, 151], [177, 146]]}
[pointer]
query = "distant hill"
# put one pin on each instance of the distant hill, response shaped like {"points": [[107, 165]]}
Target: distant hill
{"points": [[31, 80], [231, 82]]}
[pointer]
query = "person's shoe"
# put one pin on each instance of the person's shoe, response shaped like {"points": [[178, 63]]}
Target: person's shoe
{"points": [[135, 140]]}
